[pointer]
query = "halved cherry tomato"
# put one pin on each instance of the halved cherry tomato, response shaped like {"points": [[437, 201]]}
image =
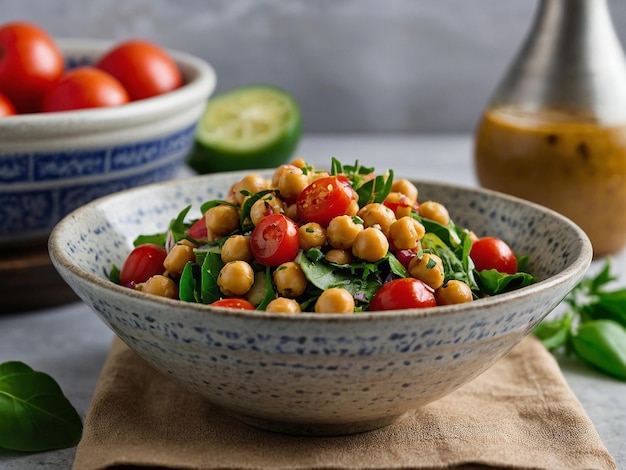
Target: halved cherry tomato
{"points": [[275, 240], [493, 253], [325, 199], [403, 293], [6, 107], [240, 304], [142, 263], [198, 230], [84, 87], [30, 62], [144, 69]]}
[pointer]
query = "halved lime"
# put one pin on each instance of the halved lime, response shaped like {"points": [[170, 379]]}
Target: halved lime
{"points": [[256, 126]]}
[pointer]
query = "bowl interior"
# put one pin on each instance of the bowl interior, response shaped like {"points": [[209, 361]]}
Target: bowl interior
{"points": [[108, 226]]}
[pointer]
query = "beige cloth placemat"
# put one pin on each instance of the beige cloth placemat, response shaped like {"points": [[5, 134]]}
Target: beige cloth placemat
{"points": [[520, 414]]}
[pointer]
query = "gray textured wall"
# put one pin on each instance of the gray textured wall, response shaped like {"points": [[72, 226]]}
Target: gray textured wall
{"points": [[355, 65]]}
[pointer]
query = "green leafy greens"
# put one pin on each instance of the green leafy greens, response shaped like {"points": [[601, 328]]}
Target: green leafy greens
{"points": [[34, 413], [593, 328]]}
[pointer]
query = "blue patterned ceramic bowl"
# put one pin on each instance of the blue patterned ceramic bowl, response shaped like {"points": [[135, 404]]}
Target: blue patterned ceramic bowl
{"points": [[52, 163], [316, 373]]}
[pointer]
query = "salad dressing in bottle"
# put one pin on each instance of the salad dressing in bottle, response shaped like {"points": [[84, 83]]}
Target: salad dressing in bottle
{"points": [[554, 131]]}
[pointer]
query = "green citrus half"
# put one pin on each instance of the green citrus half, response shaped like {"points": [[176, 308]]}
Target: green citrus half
{"points": [[256, 126]]}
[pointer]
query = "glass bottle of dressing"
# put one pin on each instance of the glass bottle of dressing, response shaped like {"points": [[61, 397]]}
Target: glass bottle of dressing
{"points": [[554, 132]]}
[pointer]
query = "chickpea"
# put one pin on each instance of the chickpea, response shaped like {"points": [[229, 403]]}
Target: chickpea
{"points": [[403, 205], [370, 245], [289, 279], [283, 305], [335, 300], [235, 278], [428, 268], [406, 232], [298, 162], [267, 205], [222, 220], [341, 232], [453, 292], [236, 247], [177, 258], [283, 169], [405, 187], [291, 183], [312, 235], [338, 256], [160, 285], [253, 183], [435, 211], [377, 214]]}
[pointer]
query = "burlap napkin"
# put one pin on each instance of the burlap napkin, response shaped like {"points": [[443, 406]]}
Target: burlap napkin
{"points": [[520, 414]]}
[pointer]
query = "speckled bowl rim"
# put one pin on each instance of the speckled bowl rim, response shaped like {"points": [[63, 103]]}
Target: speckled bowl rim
{"points": [[116, 116], [575, 270]]}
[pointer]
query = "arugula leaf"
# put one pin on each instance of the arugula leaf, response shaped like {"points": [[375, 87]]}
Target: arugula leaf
{"points": [[34, 413]]}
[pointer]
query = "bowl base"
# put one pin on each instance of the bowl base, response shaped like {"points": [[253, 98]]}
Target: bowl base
{"points": [[316, 429]]}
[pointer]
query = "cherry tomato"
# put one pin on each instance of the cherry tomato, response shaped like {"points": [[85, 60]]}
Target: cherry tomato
{"points": [[403, 293], [142, 263], [240, 304], [84, 87], [198, 230], [275, 240], [493, 253], [395, 205], [30, 62], [325, 199], [143, 68], [6, 107]]}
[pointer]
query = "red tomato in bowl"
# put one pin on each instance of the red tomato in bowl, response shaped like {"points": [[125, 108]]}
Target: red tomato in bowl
{"points": [[493, 253], [142, 263], [144, 69], [239, 304], [84, 87], [30, 62], [403, 293], [275, 240], [325, 199], [6, 107]]}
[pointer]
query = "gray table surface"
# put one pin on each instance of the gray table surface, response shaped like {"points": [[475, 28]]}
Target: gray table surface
{"points": [[71, 343]]}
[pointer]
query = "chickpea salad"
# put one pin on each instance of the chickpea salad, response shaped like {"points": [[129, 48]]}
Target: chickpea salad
{"points": [[309, 240]]}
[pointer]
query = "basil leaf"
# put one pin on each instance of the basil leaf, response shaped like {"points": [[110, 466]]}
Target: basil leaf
{"points": [[554, 334], [602, 344], [34, 413], [211, 266]]}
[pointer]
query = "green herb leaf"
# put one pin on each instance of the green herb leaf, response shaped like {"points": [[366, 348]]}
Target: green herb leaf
{"points": [[34, 413], [190, 286], [554, 334], [493, 282], [602, 344], [270, 292], [211, 266]]}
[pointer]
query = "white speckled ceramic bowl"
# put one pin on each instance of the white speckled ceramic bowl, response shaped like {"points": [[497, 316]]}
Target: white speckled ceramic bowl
{"points": [[52, 163], [316, 373]]}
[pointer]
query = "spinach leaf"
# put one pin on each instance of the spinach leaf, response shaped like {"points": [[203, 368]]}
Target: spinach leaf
{"points": [[211, 266], [190, 285], [176, 230], [270, 292], [34, 413], [493, 282]]}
